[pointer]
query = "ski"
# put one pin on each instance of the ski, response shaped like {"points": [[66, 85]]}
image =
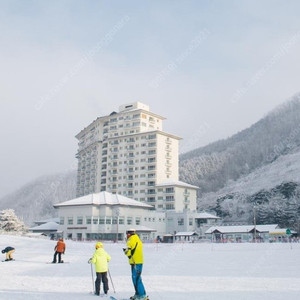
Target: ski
{"points": [[65, 262], [114, 298]]}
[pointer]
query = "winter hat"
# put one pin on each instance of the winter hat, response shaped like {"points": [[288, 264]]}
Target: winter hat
{"points": [[99, 245], [130, 231]]}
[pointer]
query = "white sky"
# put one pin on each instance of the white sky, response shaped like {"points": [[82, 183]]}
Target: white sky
{"points": [[212, 68]]}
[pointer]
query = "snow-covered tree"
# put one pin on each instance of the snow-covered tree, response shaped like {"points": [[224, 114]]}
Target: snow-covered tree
{"points": [[9, 222]]}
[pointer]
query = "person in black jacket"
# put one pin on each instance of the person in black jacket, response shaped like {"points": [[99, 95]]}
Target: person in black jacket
{"points": [[9, 251]]}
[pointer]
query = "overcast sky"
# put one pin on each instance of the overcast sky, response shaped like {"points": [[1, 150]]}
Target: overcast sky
{"points": [[212, 68]]}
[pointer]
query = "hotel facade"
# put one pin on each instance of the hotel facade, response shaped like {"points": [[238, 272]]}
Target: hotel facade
{"points": [[128, 177], [128, 153]]}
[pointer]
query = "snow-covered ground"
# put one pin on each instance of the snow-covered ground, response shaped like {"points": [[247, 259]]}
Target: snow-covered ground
{"points": [[171, 271]]}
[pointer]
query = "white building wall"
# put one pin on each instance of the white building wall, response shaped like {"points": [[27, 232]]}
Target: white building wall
{"points": [[103, 219], [185, 199], [167, 158]]}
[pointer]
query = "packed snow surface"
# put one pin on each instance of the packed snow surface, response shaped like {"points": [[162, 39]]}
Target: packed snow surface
{"points": [[171, 271]]}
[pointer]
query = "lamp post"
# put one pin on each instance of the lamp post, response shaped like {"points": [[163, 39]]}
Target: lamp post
{"points": [[117, 213], [254, 221]]}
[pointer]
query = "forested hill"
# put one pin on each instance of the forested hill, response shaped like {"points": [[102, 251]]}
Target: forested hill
{"points": [[35, 200], [215, 165], [272, 190]]}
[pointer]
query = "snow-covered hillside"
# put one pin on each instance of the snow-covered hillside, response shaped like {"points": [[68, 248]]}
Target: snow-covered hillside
{"points": [[171, 271], [35, 200], [213, 166], [285, 168], [274, 188]]}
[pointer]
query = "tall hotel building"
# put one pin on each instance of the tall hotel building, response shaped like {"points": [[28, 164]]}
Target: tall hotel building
{"points": [[128, 153]]}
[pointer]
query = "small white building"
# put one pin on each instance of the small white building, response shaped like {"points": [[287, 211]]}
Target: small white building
{"points": [[49, 229], [242, 233], [107, 216], [189, 221]]}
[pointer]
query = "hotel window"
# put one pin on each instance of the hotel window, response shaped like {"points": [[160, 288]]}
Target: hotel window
{"points": [[70, 220], [151, 199], [180, 221], [88, 220], [95, 221], [61, 221], [169, 206], [121, 221], [170, 198], [129, 220], [108, 220], [137, 221], [170, 190]]}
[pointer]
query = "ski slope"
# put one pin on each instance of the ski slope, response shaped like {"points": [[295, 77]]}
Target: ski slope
{"points": [[171, 271]]}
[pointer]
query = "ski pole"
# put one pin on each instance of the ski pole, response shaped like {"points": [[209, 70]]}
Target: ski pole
{"points": [[111, 281], [92, 278]]}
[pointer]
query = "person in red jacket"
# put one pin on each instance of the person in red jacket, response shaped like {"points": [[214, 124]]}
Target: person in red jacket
{"points": [[59, 249]]}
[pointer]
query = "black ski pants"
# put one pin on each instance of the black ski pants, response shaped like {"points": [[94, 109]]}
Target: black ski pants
{"points": [[101, 277], [59, 257]]}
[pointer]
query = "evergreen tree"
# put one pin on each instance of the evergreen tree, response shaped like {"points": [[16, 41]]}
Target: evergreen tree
{"points": [[9, 222]]}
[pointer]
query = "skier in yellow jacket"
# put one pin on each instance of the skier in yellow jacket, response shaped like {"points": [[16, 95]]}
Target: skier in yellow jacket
{"points": [[134, 252], [100, 259]]}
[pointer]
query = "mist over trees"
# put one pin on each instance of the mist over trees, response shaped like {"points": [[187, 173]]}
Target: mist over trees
{"points": [[35, 200], [213, 166]]}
